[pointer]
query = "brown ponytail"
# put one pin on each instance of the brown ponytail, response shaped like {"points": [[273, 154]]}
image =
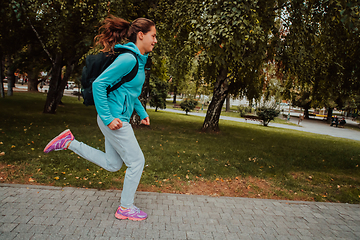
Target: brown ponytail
{"points": [[115, 29]]}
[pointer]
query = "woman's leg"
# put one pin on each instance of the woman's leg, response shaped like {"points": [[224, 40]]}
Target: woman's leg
{"points": [[125, 144], [110, 160]]}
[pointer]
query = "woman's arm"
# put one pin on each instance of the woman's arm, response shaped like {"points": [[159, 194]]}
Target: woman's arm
{"points": [[122, 65]]}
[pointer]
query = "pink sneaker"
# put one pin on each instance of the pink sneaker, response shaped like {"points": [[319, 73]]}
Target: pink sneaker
{"points": [[132, 213], [59, 142]]}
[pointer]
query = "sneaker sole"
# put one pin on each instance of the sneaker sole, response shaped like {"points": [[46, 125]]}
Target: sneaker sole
{"points": [[61, 135], [122, 217]]}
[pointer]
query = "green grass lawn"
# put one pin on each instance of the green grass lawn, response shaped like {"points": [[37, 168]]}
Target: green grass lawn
{"points": [[316, 167]]}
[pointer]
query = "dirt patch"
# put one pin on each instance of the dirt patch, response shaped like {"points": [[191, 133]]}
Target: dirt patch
{"points": [[250, 187], [13, 174]]}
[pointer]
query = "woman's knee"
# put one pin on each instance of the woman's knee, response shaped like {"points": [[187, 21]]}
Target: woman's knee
{"points": [[114, 167], [138, 162]]}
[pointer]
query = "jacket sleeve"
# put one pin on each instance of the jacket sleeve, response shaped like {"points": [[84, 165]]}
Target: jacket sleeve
{"points": [[140, 109], [122, 65]]}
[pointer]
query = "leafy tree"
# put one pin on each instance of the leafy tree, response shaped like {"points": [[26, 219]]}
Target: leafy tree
{"points": [[12, 41], [302, 99], [188, 105], [159, 85], [65, 30], [158, 93], [231, 39], [180, 56], [321, 49]]}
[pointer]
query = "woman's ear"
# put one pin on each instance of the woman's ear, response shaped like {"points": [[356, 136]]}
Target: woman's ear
{"points": [[140, 35]]}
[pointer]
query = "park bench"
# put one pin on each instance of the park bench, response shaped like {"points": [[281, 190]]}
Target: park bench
{"points": [[176, 105], [252, 118]]}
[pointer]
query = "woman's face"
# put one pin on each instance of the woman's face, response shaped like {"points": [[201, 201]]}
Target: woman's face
{"points": [[148, 41]]}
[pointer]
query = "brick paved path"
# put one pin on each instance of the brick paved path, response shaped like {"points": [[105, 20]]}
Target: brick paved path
{"points": [[38, 212]]}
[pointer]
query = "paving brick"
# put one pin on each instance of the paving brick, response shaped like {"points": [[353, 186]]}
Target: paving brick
{"points": [[68, 230], [207, 235], [8, 235], [23, 236], [111, 232], [7, 227], [192, 235], [22, 227], [8, 218], [71, 213], [52, 229]]}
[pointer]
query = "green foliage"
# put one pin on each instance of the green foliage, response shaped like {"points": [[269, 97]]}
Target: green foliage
{"points": [[234, 34], [158, 93], [267, 114], [243, 110], [323, 58], [188, 105], [229, 40]]}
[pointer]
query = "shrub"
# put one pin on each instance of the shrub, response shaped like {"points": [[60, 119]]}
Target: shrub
{"points": [[244, 110], [267, 114], [188, 105]]}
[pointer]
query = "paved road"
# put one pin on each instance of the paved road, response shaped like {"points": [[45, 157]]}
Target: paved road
{"points": [[39, 212]]}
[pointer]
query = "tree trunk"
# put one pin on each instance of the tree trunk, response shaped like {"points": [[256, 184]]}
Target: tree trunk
{"points": [[221, 90], [329, 115], [10, 77], [175, 92], [2, 76], [227, 103], [135, 119], [57, 84], [306, 113], [33, 80]]}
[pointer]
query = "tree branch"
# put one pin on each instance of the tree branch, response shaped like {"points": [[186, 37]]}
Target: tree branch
{"points": [[282, 6], [39, 38]]}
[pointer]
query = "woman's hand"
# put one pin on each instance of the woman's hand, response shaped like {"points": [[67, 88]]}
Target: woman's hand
{"points": [[145, 121], [115, 124]]}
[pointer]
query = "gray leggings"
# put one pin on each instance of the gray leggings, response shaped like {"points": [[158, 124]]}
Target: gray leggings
{"points": [[121, 147]]}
